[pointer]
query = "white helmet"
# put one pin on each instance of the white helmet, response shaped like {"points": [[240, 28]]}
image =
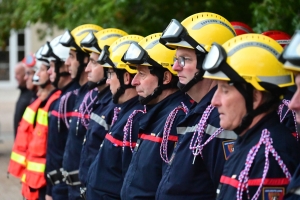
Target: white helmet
{"points": [[54, 51], [59, 50]]}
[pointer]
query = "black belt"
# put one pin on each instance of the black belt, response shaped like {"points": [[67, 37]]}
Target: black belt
{"points": [[55, 177], [71, 178]]}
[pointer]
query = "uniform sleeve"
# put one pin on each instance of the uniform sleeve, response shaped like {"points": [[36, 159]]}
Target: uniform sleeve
{"points": [[217, 151]]}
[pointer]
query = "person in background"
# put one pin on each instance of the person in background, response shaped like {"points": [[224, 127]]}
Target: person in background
{"points": [[25, 96]]}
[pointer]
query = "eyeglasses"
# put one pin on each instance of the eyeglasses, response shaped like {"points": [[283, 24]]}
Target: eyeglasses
{"points": [[109, 74], [181, 60], [176, 33], [215, 61], [138, 56], [104, 58], [90, 42]]}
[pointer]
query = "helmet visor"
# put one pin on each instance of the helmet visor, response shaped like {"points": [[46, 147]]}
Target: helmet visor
{"points": [[68, 40], [47, 50], [215, 61], [104, 58], [138, 56], [176, 33], [90, 43], [292, 51], [38, 54]]}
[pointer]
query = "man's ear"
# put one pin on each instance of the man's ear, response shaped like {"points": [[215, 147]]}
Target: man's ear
{"points": [[127, 78], [86, 60], [257, 98], [167, 77]]}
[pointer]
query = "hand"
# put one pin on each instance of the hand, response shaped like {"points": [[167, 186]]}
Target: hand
{"points": [[48, 197]]}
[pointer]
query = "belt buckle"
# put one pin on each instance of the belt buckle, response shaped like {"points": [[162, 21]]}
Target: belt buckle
{"points": [[83, 192], [66, 177], [50, 179]]}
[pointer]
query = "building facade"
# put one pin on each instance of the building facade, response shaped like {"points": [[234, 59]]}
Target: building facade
{"points": [[21, 43]]}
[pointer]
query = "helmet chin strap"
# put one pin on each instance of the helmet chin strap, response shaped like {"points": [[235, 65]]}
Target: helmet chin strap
{"points": [[159, 72], [92, 85], [247, 91], [58, 64], [186, 87], [145, 100], [80, 58], [198, 75], [121, 90], [44, 85]]}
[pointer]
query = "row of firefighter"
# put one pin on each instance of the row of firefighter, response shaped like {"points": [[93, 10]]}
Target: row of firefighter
{"points": [[206, 109]]}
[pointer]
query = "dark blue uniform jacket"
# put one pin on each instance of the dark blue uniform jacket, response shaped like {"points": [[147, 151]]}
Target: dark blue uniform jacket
{"points": [[276, 181], [201, 179], [105, 175], [147, 167]]}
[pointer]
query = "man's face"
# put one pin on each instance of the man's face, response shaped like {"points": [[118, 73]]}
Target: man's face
{"points": [[29, 72], [186, 73], [295, 101], [51, 71], [113, 81], [231, 105], [144, 81], [20, 74], [72, 63], [94, 69], [43, 74]]}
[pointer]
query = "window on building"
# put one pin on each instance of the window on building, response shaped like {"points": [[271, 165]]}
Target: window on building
{"points": [[4, 62], [4, 56]]}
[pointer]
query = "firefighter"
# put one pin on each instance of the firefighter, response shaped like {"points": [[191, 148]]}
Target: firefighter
{"points": [[103, 107], [291, 59], [83, 100], [105, 175], [251, 82], [60, 77], [156, 84], [193, 172], [33, 177]]}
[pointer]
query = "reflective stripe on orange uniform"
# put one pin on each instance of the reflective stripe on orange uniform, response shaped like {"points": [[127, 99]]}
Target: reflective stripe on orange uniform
{"points": [[36, 156], [17, 162]]}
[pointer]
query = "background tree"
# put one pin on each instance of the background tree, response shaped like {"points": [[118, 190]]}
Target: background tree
{"points": [[144, 17]]}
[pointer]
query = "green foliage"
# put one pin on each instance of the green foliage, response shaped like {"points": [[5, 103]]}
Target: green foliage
{"points": [[276, 15], [141, 16]]}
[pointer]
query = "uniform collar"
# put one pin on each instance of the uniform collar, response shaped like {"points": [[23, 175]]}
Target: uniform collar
{"points": [[205, 101], [267, 121]]}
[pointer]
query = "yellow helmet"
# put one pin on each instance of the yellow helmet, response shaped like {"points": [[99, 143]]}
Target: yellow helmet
{"points": [[149, 52], [251, 58], [291, 54], [73, 39], [112, 57], [94, 42], [202, 28]]}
